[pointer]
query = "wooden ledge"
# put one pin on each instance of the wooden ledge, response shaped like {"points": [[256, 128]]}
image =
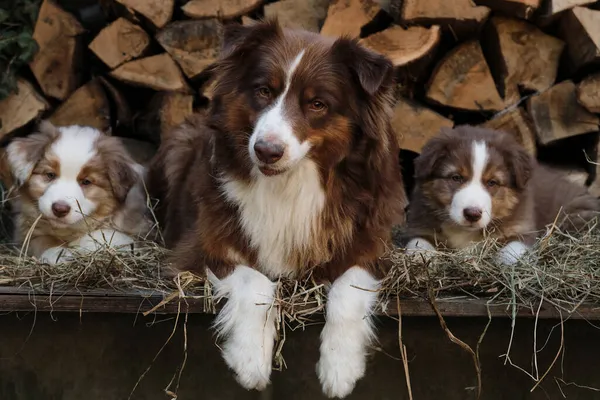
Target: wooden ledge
{"points": [[14, 299]]}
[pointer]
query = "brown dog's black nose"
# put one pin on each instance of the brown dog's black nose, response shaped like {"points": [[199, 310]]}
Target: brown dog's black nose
{"points": [[269, 151], [60, 209], [472, 214]]}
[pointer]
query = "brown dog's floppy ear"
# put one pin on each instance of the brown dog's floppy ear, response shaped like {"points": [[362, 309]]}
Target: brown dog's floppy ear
{"points": [[119, 166], [433, 152], [374, 71], [24, 153]]}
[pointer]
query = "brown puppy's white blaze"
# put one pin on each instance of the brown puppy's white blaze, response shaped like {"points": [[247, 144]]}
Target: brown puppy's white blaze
{"points": [[64, 174], [294, 168]]}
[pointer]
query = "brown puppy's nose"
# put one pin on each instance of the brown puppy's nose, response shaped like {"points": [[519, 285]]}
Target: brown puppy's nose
{"points": [[472, 214], [269, 151], [60, 209]]}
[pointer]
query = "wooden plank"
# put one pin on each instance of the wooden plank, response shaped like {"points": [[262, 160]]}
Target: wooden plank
{"points": [[111, 302]]}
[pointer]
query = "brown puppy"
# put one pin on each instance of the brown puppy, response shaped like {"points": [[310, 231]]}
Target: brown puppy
{"points": [[294, 168], [472, 182]]}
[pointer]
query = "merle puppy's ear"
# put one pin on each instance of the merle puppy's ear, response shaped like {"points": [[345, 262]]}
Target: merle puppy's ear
{"points": [[431, 154], [119, 166], [373, 71], [24, 153]]}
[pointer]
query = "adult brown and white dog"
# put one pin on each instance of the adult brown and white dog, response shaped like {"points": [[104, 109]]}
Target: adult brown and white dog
{"points": [[77, 189], [472, 182], [293, 169]]}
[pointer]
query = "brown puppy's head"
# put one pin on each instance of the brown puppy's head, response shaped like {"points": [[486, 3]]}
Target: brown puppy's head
{"points": [[473, 176]]}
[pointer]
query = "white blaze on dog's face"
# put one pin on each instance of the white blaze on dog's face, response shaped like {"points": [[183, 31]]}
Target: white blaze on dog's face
{"points": [[273, 145], [472, 204]]}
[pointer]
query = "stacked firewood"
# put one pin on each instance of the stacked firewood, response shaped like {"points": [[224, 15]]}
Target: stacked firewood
{"points": [[136, 67]]}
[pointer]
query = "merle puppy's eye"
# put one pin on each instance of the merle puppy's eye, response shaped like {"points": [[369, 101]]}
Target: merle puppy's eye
{"points": [[50, 176], [492, 183], [317, 105], [457, 178], [263, 92], [85, 182]]}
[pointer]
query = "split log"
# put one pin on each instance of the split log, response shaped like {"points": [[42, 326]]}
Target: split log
{"points": [[402, 45], [123, 112], [415, 124], [347, 17], [557, 115], [194, 45], [519, 8], [54, 66], [552, 9], [223, 9], [580, 29], [164, 112], [463, 80], [87, 106], [588, 93], [304, 14], [462, 16], [19, 108], [141, 151], [246, 21], [158, 12], [521, 56], [158, 72], [119, 42], [517, 123]]}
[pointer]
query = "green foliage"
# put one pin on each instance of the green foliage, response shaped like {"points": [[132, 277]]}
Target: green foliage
{"points": [[17, 47]]}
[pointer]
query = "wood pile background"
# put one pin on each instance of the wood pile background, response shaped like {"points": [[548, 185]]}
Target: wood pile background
{"points": [[135, 67]]}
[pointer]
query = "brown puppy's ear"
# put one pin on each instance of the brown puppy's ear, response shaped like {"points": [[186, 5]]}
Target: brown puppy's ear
{"points": [[521, 165], [432, 153], [24, 153], [373, 71], [119, 166]]}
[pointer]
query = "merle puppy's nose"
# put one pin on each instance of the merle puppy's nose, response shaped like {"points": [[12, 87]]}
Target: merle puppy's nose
{"points": [[269, 151], [60, 209], [472, 214]]}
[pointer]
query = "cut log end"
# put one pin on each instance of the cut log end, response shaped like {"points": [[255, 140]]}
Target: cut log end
{"points": [[414, 125], [347, 17], [463, 80], [194, 45], [518, 124], [158, 12], [224, 9], [580, 29], [20, 108], [440, 11], [54, 66], [588, 93], [404, 46], [557, 115], [304, 14], [158, 72], [87, 106], [119, 42], [519, 8]]}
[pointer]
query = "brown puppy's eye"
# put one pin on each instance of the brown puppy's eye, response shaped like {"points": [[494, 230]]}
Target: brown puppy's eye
{"points": [[263, 91], [492, 183], [317, 105], [85, 182], [50, 175], [457, 178]]}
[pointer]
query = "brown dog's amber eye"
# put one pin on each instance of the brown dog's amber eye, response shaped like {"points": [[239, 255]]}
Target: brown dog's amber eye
{"points": [[492, 183], [317, 105], [85, 182], [264, 91], [50, 176], [457, 178]]}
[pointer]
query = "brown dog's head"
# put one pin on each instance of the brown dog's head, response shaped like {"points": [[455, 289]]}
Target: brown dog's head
{"points": [[473, 175], [282, 96]]}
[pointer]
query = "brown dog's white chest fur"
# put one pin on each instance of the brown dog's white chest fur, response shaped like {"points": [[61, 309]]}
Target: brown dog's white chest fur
{"points": [[280, 216]]}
